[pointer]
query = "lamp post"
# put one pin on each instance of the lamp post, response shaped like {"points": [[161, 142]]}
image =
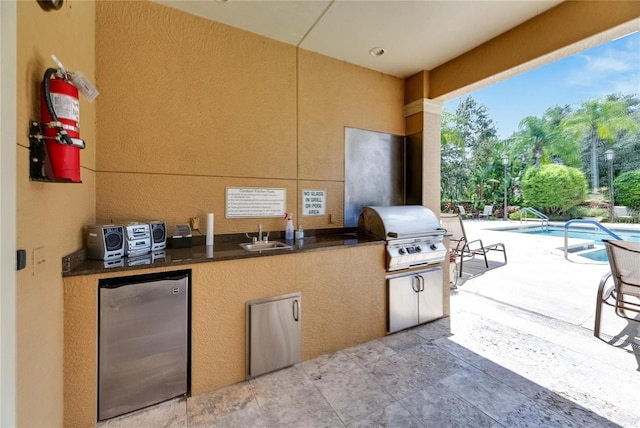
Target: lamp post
{"points": [[609, 155], [505, 162]]}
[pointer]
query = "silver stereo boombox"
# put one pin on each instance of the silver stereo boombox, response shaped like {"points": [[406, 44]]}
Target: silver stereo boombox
{"points": [[110, 241], [105, 241], [138, 238]]}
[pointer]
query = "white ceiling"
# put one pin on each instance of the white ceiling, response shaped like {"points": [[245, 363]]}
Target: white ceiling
{"points": [[415, 34]]}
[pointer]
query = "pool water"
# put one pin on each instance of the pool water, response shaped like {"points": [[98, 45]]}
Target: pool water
{"points": [[597, 237], [599, 254], [596, 255]]}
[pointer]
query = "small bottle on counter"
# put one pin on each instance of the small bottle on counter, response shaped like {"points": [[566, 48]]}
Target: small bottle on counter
{"points": [[288, 231], [299, 233]]}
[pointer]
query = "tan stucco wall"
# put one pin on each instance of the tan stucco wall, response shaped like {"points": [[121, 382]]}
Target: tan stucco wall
{"points": [[215, 107], [343, 304], [333, 95], [48, 215]]}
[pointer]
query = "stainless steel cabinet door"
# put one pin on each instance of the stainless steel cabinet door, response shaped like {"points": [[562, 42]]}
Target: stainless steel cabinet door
{"points": [[430, 296], [274, 333], [414, 298], [403, 302], [143, 345]]}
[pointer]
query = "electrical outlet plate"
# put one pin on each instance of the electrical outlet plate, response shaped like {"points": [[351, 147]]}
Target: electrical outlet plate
{"points": [[39, 260]]}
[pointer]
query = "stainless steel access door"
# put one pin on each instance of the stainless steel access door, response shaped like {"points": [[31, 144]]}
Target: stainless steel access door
{"points": [[402, 300], [430, 300], [143, 342], [414, 298], [273, 333]]}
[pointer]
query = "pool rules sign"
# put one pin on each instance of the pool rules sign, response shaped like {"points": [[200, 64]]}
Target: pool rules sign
{"points": [[314, 202]]}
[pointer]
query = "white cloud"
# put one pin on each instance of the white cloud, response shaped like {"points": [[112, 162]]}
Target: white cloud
{"points": [[610, 69], [627, 86], [607, 65]]}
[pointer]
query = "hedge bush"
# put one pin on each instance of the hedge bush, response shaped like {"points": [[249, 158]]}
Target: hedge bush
{"points": [[626, 189], [554, 189]]}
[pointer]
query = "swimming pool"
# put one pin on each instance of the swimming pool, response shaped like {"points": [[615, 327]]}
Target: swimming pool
{"points": [[596, 235], [583, 232]]}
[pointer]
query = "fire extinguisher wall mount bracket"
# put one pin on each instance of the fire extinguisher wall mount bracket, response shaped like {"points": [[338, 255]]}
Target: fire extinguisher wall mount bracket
{"points": [[39, 163]]}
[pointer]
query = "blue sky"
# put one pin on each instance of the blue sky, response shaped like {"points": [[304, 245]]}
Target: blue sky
{"points": [[613, 67]]}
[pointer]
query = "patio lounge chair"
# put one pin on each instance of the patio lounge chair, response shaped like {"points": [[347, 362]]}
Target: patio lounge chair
{"points": [[463, 248], [488, 212], [464, 213], [624, 295], [621, 213]]}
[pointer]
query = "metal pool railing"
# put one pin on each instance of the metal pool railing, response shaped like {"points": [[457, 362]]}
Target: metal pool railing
{"points": [[595, 223], [544, 219]]}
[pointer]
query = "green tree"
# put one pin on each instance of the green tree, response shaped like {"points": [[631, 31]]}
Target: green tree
{"points": [[546, 140], [627, 189], [469, 139], [599, 123], [553, 188], [534, 136], [627, 146], [477, 131], [454, 173]]}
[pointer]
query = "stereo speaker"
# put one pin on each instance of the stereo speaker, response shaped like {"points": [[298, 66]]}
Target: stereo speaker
{"points": [[158, 235], [105, 241]]}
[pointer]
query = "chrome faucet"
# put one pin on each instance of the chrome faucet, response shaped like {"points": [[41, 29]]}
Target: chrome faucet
{"points": [[259, 238]]}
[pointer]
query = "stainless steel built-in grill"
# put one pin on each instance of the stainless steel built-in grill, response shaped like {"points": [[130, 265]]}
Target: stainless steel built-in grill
{"points": [[412, 232]]}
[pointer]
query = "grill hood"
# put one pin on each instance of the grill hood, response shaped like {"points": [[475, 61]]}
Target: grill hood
{"points": [[397, 222]]}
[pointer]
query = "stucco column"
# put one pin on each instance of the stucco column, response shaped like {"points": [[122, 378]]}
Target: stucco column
{"points": [[424, 117], [423, 120], [431, 126]]}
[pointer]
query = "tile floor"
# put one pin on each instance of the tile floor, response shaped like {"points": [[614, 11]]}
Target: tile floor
{"points": [[489, 365]]}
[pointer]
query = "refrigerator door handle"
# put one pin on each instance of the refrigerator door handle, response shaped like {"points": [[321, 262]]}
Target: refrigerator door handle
{"points": [[296, 310], [118, 283]]}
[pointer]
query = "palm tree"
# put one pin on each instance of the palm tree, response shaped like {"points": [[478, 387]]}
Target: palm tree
{"points": [[599, 122], [533, 133], [546, 138], [564, 148]]}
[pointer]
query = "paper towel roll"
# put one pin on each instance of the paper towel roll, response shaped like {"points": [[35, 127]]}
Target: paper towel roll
{"points": [[210, 229]]}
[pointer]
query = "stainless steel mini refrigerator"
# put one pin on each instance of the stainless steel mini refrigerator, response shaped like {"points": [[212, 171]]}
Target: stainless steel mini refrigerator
{"points": [[143, 345]]}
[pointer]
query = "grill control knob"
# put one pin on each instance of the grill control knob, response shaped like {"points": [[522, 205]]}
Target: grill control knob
{"points": [[419, 248], [433, 246], [402, 251]]}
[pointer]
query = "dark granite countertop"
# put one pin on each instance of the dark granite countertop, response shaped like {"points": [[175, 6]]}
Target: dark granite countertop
{"points": [[226, 247]]}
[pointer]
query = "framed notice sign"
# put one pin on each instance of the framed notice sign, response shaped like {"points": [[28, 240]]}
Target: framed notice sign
{"points": [[249, 202], [314, 202]]}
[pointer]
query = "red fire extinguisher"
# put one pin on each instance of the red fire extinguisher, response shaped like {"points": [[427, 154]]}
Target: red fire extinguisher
{"points": [[60, 114]]}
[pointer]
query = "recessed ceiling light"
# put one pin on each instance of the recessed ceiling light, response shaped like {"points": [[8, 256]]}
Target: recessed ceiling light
{"points": [[376, 51]]}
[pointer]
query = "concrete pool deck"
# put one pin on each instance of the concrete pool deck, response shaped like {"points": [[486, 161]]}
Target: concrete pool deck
{"points": [[537, 277]]}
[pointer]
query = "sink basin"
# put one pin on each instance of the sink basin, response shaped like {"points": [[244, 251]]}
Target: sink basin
{"points": [[263, 246]]}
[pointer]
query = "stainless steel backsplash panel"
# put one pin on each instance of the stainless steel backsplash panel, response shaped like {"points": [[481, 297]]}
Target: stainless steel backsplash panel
{"points": [[374, 171], [413, 167]]}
